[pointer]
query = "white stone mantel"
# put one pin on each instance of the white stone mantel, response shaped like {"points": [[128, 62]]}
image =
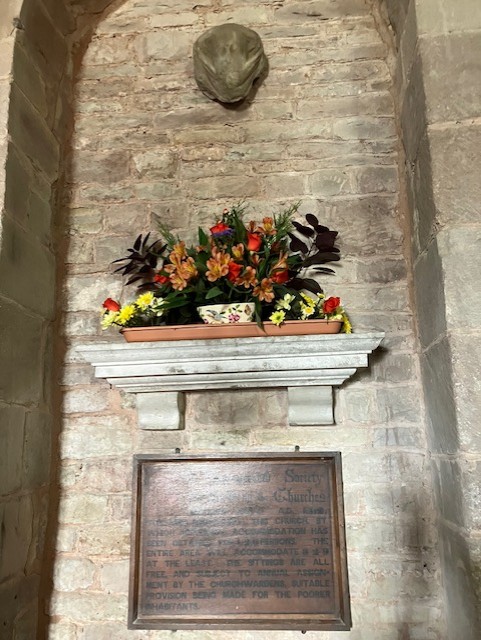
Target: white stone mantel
{"points": [[158, 372]]}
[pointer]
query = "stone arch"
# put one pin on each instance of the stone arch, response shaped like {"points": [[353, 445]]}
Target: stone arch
{"points": [[43, 41], [26, 301]]}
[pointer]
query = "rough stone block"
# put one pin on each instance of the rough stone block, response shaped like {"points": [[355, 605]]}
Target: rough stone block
{"points": [[81, 324], [259, 132], [377, 466], [104, 168], [385, 270], [29, 80], [12, 426], [180, 19], [218, 441], [370, 537], [63, 630], [152, 164], [424, 212], [430, 295], [121, 219], [410, 438], [460, 253], [438, 388], [285, 186], [360, 128], [448, 490], [236, 409], [30, 133], [46, 45], [456, 166], [37, 450], [84, 293], [16, 526], [466, 356], [413, 110], [224, 187], [109, 50], [18, 595], [114, 576], [28, 270], [325, 438], [83, 509], [85, 400], [95, 437], [452, 76], [374, 219], [330, 182], [255, 14], [164, 45], [357, 406], [400, 403], [88, 606], [371, 104], [316, 10], [21, 375], [156, 191], [444, 16], [458, 585], [103, 540], [206, 135], [376, 179], [71, 574]]}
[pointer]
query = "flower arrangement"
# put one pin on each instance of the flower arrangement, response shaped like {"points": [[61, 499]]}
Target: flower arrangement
{"points": [[269, 264]]}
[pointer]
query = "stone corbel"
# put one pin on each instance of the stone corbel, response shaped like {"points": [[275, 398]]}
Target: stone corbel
{"points": [[160, 372]]}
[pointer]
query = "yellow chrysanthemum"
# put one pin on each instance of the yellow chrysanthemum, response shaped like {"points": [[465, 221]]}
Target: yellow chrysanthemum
{"points": [[346, 326], [278, 317], [125, 314], [309, 301], [108, 319], [307, 310], [145, 300]]}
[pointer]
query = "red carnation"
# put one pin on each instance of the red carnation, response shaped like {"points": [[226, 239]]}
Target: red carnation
{"points": [[234, 271], [111, 305], [160, 279], [331, 304], [254, 241]]}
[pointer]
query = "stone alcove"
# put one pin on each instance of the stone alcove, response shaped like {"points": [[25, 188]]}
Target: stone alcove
{"points": [[44, 36]]}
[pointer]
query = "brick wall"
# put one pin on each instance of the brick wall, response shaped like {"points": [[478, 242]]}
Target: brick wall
{"points": [[320, 129]]}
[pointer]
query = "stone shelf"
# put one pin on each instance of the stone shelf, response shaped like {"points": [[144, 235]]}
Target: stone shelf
{"points": [[158, 372]]}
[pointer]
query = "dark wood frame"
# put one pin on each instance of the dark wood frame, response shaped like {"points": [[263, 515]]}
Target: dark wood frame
{"points": [[326, 622]]}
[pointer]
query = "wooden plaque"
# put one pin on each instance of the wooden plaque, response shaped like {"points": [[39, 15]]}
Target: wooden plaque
{"points": [[239, 542]]}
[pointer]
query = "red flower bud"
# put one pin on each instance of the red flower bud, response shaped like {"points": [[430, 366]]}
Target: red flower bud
{"points": [[111, 305], [160, 279], [254, 241], [331, 304]]}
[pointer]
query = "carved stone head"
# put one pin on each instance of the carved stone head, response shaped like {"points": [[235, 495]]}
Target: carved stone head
{"points": [[227, 60]]}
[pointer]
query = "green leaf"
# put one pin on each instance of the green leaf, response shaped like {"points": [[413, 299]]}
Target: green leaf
{"points": [[203, 238], [213, 293]]}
